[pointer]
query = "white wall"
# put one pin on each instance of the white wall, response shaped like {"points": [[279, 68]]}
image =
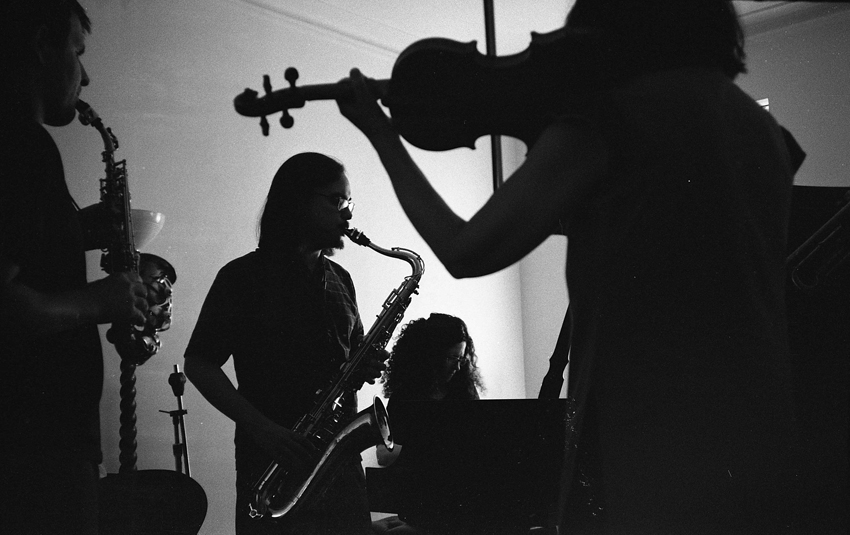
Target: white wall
{"points": [[164, 75], [804, 70]]}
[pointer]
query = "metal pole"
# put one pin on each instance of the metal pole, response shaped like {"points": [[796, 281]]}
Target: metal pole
{"points": [[495, 140]]}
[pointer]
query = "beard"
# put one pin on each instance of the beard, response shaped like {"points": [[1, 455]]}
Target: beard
{"points": [[330, 251], [333, 245], [322, 240]]}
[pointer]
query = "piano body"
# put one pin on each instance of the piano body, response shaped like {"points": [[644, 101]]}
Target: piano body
{"points": [[483, 466]]}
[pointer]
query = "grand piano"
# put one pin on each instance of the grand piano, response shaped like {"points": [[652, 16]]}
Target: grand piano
{"points": [[470, 467]]}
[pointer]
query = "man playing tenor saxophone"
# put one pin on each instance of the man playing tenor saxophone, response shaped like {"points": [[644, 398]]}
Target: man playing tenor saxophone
{"points": [[288, 316]]}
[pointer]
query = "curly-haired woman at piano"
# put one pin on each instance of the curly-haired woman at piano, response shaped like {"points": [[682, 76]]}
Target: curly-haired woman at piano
{"points": [[433, 359]]}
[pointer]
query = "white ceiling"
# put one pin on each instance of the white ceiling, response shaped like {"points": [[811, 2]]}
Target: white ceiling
{"points": [[394, 24]]}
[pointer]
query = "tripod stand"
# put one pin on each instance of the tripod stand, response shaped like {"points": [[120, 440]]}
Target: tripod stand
{"points": [[177, 380]]}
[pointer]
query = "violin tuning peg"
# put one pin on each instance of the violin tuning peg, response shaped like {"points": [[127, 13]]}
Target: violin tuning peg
{"points": [[291, 76], [264, 125], [286, 120], [267, 83]]}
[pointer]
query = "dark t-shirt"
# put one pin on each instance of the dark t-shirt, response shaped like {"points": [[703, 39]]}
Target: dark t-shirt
{"points": [[50, 386], [287, 330]]}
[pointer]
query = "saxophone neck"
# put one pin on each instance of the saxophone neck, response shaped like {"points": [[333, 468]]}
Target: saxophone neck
{"points": [[89, 117], [415, 261]]}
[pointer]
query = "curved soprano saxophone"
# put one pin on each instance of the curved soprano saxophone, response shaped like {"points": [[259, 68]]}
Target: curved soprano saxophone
{"points": [[279, 492], [135, 344]]}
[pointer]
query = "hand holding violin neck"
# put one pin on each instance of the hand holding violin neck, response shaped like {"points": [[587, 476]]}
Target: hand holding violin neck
{"points": [[249, 104], [444, 94]]}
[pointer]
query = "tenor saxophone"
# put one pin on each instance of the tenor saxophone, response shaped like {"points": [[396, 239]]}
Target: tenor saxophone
{"points": [[279, 492]]}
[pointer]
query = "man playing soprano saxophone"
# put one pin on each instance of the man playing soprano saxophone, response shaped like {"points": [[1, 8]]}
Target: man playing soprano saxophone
{"points": [[288, 316], [51, 365]]}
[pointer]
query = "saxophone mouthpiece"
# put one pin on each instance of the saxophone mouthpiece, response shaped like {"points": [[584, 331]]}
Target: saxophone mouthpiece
{"points": [[357, 237], [87, 114]]}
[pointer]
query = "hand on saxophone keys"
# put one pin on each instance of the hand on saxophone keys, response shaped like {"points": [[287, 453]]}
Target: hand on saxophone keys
{"points": [[120, 297], [372, 369], [292, 450]]}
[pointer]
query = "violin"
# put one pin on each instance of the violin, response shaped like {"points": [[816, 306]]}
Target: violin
{"points": [[444, 94]]}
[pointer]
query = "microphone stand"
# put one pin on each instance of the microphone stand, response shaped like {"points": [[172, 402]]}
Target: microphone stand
{"points": [[177, 380]]}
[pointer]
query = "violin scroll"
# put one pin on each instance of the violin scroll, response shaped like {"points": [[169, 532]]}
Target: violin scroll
{"points": [[249, 104]]}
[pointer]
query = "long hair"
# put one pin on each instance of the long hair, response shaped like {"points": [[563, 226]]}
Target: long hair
{"points": [[280, 226], [649, 35], [418, 354]]}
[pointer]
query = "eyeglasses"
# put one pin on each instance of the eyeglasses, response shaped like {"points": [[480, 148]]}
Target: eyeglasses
{"points": [[463, 361], [341, 202]]}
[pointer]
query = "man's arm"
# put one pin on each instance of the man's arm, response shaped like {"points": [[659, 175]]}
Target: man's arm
{"points": [[118, 297], [216, 387]]}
